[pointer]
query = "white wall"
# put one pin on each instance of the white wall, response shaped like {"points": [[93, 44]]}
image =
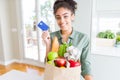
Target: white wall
{"points": [[106, 67], [107, 5], [5, 31], [1, 48], [13, 14], [82, 21]]}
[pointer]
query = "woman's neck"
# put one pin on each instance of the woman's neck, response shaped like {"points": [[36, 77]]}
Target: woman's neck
{"points": [[67, 32]]}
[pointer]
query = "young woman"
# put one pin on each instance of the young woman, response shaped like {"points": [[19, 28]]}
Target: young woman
{"points": [[64, 12]]}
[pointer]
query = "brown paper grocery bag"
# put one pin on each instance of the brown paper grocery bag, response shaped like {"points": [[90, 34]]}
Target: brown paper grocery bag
{"points": [[56, 73]]}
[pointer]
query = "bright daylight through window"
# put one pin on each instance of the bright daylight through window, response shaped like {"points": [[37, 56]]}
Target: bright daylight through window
{"points": [[33, 11], [105, 30]]}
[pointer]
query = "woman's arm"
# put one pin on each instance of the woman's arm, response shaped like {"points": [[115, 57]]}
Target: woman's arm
{"points": [[48, 48], [86, 59], [46, 38]]}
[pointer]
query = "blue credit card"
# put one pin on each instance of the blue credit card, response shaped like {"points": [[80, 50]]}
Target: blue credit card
{"points": [[43, 26]]}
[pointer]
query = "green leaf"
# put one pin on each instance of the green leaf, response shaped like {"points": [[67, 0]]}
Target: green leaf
{"points": [[107, 34]]}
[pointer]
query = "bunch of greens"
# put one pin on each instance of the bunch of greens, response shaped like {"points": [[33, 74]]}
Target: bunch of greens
{"points": [[106, 34], [62, 48]]}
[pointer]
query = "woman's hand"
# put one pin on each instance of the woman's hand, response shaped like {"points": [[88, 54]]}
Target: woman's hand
{"points": [[47, 40], [88, 77], [46, 37]]}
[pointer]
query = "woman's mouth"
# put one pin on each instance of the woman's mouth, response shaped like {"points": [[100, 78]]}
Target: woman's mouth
{"points": [[62, 25]]}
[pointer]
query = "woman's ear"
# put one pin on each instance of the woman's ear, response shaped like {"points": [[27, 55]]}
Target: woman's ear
{"points": [[72, 17]]}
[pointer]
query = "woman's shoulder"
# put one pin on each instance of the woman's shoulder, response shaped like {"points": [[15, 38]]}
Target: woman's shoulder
{"points": [[55, 33], [78, 33]]}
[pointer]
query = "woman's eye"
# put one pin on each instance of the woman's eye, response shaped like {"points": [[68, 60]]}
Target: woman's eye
{"points": [[58, 18], [65, 16]]}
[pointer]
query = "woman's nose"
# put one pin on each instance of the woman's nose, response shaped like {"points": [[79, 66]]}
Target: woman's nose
{"points": [[62, 20]]}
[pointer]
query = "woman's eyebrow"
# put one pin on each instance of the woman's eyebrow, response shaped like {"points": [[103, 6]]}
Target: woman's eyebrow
{"points": [[62, 14]]}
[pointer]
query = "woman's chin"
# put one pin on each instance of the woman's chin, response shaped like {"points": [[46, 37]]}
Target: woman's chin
{"points": [[63, 28]]}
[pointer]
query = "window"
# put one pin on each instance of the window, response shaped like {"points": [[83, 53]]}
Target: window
{"points": [[32, 14], [105, 19], [46, 12]]}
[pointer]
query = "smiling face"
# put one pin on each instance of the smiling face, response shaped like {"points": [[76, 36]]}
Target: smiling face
{"points": [[64, 18]]}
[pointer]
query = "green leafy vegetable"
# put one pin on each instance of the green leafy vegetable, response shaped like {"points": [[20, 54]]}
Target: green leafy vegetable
{"points": [[107, 34], [62, 49]]}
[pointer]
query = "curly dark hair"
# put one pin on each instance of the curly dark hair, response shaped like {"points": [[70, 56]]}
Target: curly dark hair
{"points": [[69, 4]]}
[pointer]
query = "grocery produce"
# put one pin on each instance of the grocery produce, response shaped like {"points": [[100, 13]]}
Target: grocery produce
{"points": [[60, 62], [62, 49], [72, 53], [55, 44], [64, 55], [62, 67], [74, 63], [52, 55], [50, 62]]}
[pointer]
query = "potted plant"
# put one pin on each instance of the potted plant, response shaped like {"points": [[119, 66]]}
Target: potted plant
{"points": [[118, 38], [105, 38]]}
